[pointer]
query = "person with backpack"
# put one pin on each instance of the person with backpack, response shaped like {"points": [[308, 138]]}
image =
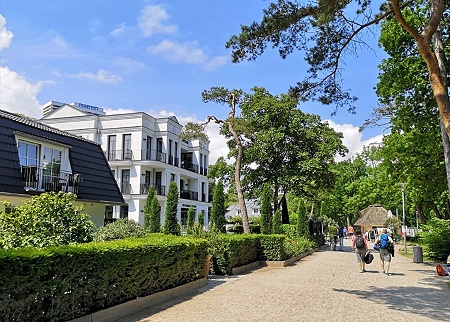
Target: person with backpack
{"points": [[341, 238], [359, 246], [385, 244]]}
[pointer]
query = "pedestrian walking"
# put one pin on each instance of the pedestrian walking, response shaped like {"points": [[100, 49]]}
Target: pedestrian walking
{"points": [[341, 237], [359, 246], [386, 244]]}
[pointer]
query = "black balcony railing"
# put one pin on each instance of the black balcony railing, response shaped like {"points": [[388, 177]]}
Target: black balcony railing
{"points": [[154, 155], [188, 194], [189, 166], [160, 190], [37, 178], [125, 188], [119, 155]]}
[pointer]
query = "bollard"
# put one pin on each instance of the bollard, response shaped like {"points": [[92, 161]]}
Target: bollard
{"points": [[417, 254]]}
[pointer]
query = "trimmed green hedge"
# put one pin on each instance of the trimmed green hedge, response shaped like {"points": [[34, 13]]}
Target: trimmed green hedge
{"points": [[62, 283]]}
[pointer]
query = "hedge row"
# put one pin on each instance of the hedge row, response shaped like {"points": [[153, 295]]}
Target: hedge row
{"points": [[62, 283]]}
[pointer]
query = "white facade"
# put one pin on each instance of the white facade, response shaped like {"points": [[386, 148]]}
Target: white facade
{"points": [[143, 151]]}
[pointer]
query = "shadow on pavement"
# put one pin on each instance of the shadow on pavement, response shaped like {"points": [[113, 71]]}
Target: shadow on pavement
{"points": [[421, 301]]}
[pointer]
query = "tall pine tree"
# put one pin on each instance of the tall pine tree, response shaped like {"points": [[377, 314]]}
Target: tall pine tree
{"points": [[171, 225], [147, 207], [190, 220], [276, 222], [266, 210], [155, 215], [302, 222]]}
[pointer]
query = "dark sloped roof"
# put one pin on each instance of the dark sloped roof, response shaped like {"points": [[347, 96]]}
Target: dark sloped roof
{"points": [[374, 215], [86, 158]]}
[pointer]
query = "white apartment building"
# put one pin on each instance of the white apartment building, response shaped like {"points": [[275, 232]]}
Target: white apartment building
{"points": [[142, 151]]}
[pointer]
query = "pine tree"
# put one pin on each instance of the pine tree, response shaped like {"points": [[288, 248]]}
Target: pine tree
{"points": [[218, 207], [147, 207], [190, 220], [266, 210], [171, 225], [155, 215], [276, 222]]}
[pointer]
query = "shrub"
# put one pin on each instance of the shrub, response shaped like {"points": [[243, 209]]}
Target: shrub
{"points": [[50, 219], [435, 238], [276, 223], [119, 229]]}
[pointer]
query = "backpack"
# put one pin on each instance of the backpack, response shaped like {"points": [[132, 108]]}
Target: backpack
{"points": [[384, 239], [359, 242], [441, 270]]}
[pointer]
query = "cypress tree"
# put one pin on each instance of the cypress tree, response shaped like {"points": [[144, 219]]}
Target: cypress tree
{"points": [[266, 210], [276, 222], [155, 215], [218, 207], [190, 220], [302, 222], [147, 207], [171, 225], [284, 211]]}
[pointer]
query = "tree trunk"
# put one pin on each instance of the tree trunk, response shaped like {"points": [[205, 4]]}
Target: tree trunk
{"points": [[284, 210], [276, 206], [420, 213], [436, 210]]}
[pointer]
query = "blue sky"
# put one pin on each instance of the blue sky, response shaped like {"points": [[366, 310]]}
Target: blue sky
{"points": [[156, 57]]}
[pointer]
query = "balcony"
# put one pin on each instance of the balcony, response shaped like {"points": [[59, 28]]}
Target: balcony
{"points": [[189, 166], [160, 190], [119, 155], [125, 188], [46, 179], [188, 194], [153, 155]]}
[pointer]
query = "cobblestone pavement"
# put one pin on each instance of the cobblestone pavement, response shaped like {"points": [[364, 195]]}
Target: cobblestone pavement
{"points": [[325, 286]]}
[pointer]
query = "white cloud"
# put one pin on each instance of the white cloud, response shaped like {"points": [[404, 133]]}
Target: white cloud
{"points": [[18, 95], [6, 36], [216, 62], [129, 65], [102, 76], [119, 31], [152, 21], [352, 139], [187, 52]]}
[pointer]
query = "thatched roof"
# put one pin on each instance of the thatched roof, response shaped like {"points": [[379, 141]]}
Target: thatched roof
{"points": [[374, 215]]}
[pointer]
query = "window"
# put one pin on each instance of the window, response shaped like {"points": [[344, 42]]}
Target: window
{"points": [[124, 211], [170, 152], [127, 147], [148, 152], [51, 162], [111, 147], [126, 187], [29, 160]]}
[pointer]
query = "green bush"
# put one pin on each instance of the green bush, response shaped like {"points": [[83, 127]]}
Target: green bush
{"points": [[50, 219], [119, 229], [435, 237]]}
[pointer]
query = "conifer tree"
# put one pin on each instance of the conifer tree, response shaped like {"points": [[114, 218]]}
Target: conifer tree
{"points": [[171, 225], [218, 207], [276, 222], [155, 215], [266, 210], [302, 222], [147, 207], [190, 220]]}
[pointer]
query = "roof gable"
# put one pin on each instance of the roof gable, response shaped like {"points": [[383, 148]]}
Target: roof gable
{"points": [[66, 110]]}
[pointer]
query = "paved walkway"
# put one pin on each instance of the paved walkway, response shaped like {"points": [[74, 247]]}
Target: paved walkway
{"points": [[325, 286]]}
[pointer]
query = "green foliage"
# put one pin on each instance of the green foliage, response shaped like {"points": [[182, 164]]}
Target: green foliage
{"points": [[303, 221], [276, 222], [155, 215], [272, 247], [291, 231], [436, 239], [49, 219], [147, 207], [201, 218], [295, 247], [119, 229], [171, 225], [67, 282], [190, 220], [218, 209], [266, 210]]}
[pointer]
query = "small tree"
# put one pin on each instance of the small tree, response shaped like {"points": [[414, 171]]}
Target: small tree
{"points": [[119, 229], [276, 222], [147, 207], [218, 207], [302, 221], [171, 225], [50, 219], [155, 215], [190, 220], [266, 210]]}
